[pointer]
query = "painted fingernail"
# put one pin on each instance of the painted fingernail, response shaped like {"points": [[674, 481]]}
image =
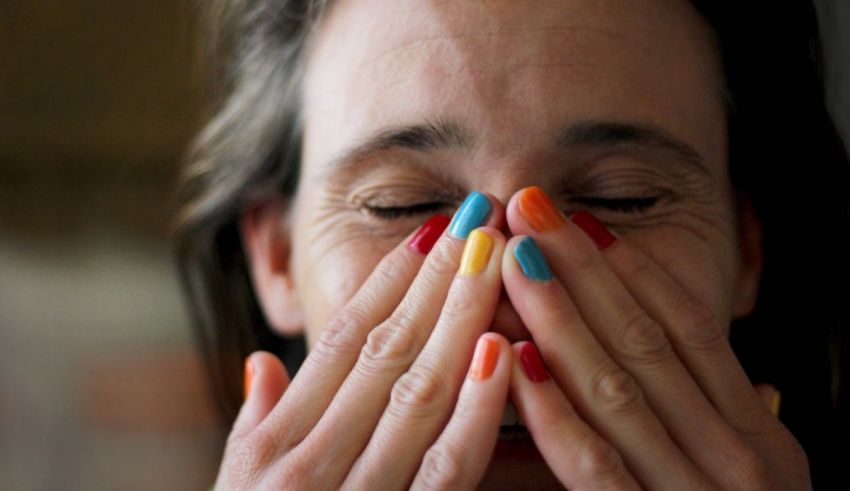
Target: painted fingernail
{"points": [[485, 358], [248, 378], [425, 238], [474, 211], [538, 210], [594, 228], [531, 260], [476, 253], [775, 402], [532, 363]]}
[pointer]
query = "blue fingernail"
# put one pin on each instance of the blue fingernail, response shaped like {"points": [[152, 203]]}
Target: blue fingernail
{"points": [[472, 214], [531, 260]]}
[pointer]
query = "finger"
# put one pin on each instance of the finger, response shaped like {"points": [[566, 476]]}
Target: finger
{"points": [[696, 335], [421, 400], [389, 350], [629, 334], [605, 394], [265, 381], [340, 342], [459, 457], [579, 457]]}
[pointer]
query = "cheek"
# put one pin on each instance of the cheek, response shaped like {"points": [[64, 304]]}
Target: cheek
{"points": [[703, 269], [326, 284]]}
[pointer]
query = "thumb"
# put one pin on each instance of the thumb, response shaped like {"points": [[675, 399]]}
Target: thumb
{"points": [[266, 380]]}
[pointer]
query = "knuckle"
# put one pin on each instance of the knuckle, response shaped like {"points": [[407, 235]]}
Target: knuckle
{"points": [[390, 345], [340, 335], [644, 340], [702, 329], [752, 470], [246, 458], [442, 261], [441, 468], [417, 394], [599, 462], [617, 391]]}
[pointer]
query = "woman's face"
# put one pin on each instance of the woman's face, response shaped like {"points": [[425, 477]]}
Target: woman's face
{"points": [[417, 103]]}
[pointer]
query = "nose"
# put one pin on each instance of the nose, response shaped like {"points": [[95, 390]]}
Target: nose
{"points": [[507, 321]]}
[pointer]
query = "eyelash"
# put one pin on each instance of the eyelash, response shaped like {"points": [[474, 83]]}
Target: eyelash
{"points": [[623, 205]]}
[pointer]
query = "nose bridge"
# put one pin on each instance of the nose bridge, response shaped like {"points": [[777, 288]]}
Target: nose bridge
{"points": [[505, 174]]}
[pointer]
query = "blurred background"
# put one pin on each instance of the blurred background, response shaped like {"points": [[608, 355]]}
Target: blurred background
{"points": [[100, 387]]}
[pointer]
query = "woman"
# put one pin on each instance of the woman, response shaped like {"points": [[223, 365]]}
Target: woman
{"points": [[643, 196]]}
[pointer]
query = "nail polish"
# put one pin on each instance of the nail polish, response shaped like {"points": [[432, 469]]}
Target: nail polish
{"points": [[476, 253], [473, 213], [775, 402], [537, 209], [532, 364], [248, 378], [425, 238], [485, 358], [594, 228], [531, 260]]}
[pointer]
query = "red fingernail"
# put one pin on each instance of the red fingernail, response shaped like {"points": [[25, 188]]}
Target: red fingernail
{"points": [[425, 238], [249, 375], [532, 363], [594, 229]]}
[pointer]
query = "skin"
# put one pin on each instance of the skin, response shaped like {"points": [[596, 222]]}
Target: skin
{"points": [[508, 78]]}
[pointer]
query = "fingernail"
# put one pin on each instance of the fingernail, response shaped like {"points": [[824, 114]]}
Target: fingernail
{"points": [[476, 253], [425, 238], [594, 229], [775, 402], [531, 260], [474, 211], [248, 378], [532, 364], [538, 210], [485, 358]]}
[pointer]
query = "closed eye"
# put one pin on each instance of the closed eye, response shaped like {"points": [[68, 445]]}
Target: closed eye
{"points": [[624, 205], [393, 212]]}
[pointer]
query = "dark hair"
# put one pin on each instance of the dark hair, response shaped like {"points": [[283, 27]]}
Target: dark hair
{"points": [[785, 155]]}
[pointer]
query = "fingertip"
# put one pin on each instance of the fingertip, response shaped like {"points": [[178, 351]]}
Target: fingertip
{"points": [[497, 215]]}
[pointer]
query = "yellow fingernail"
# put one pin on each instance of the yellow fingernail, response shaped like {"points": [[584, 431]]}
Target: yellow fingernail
{"points": [[775, 403], [476, 254]]}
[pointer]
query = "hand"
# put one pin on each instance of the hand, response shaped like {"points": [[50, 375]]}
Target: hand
{"points": [[373, 406], [645, 390]]}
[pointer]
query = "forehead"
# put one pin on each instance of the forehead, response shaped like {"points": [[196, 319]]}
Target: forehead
{"points": [[514, 70]]}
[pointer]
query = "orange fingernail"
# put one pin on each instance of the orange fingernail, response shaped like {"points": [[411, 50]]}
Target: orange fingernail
{"points": [[485, 358], [538, 210], [249, 375], [775, 403]]}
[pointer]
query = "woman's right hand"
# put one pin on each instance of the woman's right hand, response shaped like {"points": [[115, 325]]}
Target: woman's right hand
{"points": [[381, 401]]}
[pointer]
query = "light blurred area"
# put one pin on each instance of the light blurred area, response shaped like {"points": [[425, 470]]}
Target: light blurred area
{"points": [[100, 387]]}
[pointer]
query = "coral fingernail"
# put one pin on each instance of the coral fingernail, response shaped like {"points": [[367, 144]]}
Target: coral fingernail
{"points": [[476, 253], [473, 213], [531, 260], [485, 358], [425, 238], [775, 402], [538, 210], [248, 378], [532, 364], [594, 229]]}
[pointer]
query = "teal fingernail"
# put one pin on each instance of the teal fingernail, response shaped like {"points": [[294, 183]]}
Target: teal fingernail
{"points": [[472, 214], [531, 260]]}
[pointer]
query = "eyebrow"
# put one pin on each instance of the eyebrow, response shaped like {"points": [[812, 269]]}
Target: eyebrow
{"points": [[442, 134], [609, 134]]}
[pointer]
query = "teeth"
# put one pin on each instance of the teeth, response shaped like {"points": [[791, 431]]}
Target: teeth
{"points": [[510, 416]]}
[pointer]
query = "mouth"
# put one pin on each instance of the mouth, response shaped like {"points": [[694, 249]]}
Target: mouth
{"points": [[511, 428]]}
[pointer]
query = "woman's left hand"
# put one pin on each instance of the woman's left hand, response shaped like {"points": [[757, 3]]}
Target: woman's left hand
{"points": [[642, 387]]}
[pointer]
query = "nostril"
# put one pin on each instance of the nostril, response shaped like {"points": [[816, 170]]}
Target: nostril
{"points": [[507, 322]]}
